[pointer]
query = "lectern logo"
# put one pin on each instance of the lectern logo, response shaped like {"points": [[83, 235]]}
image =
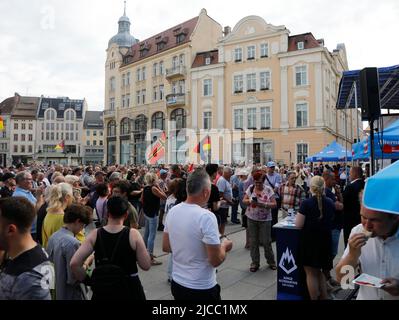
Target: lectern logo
{"points": [[287, 262]]}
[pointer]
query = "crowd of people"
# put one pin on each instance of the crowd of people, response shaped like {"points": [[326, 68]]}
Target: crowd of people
{"points": [[71, 227]]}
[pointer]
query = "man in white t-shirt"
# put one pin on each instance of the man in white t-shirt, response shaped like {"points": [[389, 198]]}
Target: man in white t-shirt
{"points": [[191, 233], [226, 194]]}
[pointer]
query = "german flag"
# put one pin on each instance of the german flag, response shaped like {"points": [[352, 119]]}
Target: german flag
{"points": [[157, 151], [1, 124], [60, 147]]}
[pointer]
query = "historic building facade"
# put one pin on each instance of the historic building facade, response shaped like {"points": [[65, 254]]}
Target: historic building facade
{"points": [[276, 92], [93, 137]]}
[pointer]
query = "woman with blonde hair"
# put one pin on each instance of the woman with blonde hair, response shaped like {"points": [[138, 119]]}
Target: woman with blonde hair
{"points": [[151, 200], [315, 219], [60, 196]]}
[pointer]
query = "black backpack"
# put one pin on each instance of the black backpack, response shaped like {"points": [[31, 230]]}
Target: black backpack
{"points": [[109, 281]]}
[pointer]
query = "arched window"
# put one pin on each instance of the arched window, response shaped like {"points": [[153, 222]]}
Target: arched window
{"points": [[69, 115], [111, 129], [125, 128], [158, 121], [179, 115], [50, 114], [140, 124]]}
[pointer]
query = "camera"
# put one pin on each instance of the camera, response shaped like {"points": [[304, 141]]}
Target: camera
{"points": [[255, 199]]}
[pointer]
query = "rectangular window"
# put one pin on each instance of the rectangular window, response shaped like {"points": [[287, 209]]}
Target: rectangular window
{"points": [[30, 126], [52, 135], [143, 76], [138, 97], [30, 137], [138, 74], [77, 136], [251, 118], [143, 93], [301, 152], [238, 84], [161, 92], [87, 143], [161, 68], [265, 80], [94, 142], [300, 45], [101, 142], [67, 126], [88, 133], [238, 118], [302, 115], [112, 84], [15, 149], [207, 88], [207, 120], [30, 149], [154, 69], [251, 52], [128, 78], [127, 100], [94, 133], [22, 137], [15, 137], [264, 50], [112, 104], [58, 136], [52, 126], [174, 87], [251, 82], [42, 126], [155, 94], [123, 101], [15, 126], [58, 126], [238, 54], [101, 133], [182, 86], [42, 135], [300, 76], [47, 136], [62, 126], [123, 80], [265, 118], [22, 149]]}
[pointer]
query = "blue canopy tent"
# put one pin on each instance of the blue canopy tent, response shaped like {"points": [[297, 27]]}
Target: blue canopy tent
{"points": [[386, 144], [376, 197], [334, 152], [389, 88]]}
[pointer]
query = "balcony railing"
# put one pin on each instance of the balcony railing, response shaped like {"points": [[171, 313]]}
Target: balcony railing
{"points": [[109, 113], [178, 71], [175, 99]]}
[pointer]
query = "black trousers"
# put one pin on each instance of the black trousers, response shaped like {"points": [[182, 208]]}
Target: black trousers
{"points": [[181, 293]]}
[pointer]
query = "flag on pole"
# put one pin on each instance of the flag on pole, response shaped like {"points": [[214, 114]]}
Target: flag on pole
{"points": [[203, 147], [1, 124], [191, 167], [157, 151], [60, 147]]}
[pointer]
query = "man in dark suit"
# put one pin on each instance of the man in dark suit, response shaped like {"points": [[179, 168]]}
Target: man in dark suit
{"points": [[351, 201]]}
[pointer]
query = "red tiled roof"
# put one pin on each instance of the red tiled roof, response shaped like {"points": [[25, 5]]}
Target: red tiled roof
{"points": [[307, 38], [7, 105], [199, 60], [167, 36], [26, 108]]}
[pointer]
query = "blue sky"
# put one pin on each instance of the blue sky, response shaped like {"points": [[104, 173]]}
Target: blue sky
{"points": [[57, 47]]}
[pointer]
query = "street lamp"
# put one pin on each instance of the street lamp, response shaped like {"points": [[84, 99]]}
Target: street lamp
{"points": [[289, 151]]}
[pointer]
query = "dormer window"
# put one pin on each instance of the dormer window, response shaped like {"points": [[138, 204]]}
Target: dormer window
{"points": [[300, 45], [180, 34], [207, 60], [161, 42], [144, 48]]}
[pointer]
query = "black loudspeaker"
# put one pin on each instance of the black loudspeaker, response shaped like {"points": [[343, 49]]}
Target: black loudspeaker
{"points": [[370, 94]]}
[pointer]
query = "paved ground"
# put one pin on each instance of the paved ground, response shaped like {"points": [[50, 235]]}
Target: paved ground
{"points": [[234, 277]]}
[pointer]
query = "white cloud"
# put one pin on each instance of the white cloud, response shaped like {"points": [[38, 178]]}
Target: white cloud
{"points": [[57, 47]]}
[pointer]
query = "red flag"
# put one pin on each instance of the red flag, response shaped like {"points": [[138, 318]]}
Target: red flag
{"points": [[157, 151], [191, 167]]}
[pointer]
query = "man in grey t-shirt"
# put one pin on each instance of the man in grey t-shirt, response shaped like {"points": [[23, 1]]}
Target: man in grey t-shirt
{"points": [[26, 273], [226, 194], [62, 246]]}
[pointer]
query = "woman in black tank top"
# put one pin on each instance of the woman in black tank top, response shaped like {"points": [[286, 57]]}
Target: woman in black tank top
{"points": [[113, 247]]}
